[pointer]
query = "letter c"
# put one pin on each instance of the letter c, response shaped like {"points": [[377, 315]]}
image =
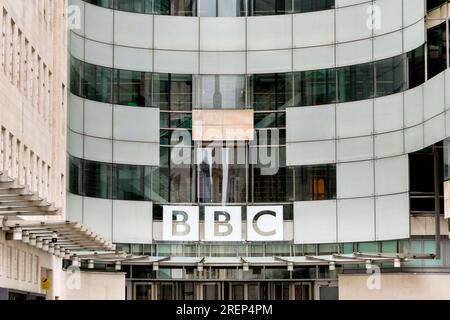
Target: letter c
{"points": [[255, 223]]}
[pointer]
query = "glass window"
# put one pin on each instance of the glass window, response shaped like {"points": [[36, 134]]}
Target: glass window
{"points": [[431, 4], [278, 249], [315, 87], [368, 247], [222, 175], [416, 67], [97, 179], [133, 88], [97, 83], [161, 178], [269, 7], [437, 50], [132, 182], [272, 183], [181, 120], [182, 179], [221, 91], [172, 91], [356, 82], [101, 3], [75, 175], [272, 91], [390, 75], [315, 182], [177, 7], [312, 5], [130, 5], [222, 8], [76, 76]]}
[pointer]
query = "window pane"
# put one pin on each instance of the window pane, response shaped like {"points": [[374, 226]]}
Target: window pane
{"points": [[97, 179], [312, 5], [129, 5], [182, 178], [272, 183], [221, 92], [390, 75], [172, 91], [231, 8], [272, 91], [437, 50], [76, 75], [356, 82], [315, 182], [97, 82], [183, 7], [133, 88], [101, 3], [416, 67], [222, 175], [315, 87], [75, 175], [130, 183], [270, 7]]}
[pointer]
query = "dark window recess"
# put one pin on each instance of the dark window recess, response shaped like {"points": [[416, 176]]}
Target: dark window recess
{"points": [[315, 87], [437, 50], [315, 182], [271, 91], [416, 67], [312, 5], [269, 7], [356, 82], [421, 180], [431, 4]]}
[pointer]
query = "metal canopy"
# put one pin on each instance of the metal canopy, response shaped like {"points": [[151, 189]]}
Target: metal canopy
{"points": [[73, 239], [70, 235], [278, 261], [18, 200]]}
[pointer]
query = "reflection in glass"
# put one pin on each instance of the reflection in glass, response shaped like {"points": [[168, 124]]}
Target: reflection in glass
{"points": [[97, 179], [222, 8], [272, 91], [133, 88], [172, 91], [97, 82], [312, 5], [356, 82], [390, 75], [221, 175], [437, 49], [221, 91], [269, 7], [416, 67], [315, 87], [315, 182]]}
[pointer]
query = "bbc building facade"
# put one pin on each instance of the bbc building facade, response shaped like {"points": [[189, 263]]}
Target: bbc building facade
{"points": [[251, 149]]}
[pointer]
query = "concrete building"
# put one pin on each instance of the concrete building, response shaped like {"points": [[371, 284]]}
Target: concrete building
{"points": [[263, 149], [34, 236]]}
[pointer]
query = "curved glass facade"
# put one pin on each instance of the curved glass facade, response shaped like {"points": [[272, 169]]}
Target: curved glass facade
{"points": [[216, 8], [267, 91], [176, 184]]}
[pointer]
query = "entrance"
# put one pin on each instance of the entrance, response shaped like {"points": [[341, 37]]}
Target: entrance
{"points": [[191, 290], [244, 291]]}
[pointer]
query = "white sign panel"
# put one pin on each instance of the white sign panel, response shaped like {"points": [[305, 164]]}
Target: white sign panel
{"points": [[223, 224], [180, 223], [265, 223]]}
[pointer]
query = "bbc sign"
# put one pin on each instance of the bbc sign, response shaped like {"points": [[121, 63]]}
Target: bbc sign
{"points": [[222, 223]]}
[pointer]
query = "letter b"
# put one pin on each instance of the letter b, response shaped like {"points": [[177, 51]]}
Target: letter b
{"points": [[180, 223]]}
